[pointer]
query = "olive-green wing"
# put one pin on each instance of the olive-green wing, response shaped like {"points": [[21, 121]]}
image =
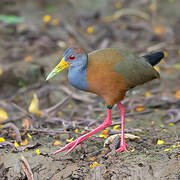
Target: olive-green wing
{"points": [[135, 70]]}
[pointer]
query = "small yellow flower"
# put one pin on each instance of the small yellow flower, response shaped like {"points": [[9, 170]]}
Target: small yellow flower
{"points": [[133, 150], [94, 164], [116, 128], [171, 124], [82, 132], [168, 149], [76, 130], [46, 18], [37, 151], [173, 146], [104, 134], [29, 136], [16, 144], [147, 94], [159, 142], [24, 143], [70, 140], [2, 139], [90, 30]]}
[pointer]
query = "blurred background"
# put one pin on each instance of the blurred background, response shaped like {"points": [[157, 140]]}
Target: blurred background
{"points": [[33, 36]]}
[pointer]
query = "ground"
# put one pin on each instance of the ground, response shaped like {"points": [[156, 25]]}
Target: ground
{"points": [[38, 117]]}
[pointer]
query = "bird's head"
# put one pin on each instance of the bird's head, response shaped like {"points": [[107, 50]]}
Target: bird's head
{"points": [[72, 58]]}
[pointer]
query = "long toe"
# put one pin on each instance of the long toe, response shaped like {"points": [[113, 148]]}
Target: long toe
{"points": [[122, 148], [70, 145]]}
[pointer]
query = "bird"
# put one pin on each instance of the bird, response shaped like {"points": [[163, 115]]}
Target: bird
{"points": [[108, 73]]}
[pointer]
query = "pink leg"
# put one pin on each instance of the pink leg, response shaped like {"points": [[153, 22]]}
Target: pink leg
{"points": [[107, 122], [123, 144]]}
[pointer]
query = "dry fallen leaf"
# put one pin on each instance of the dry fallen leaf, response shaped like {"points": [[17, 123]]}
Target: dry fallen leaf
{"points": [[159, 30], [34, 106], [26, 168], [1, 72], [118, 5], [140, 108], [104, 134], [177, 94], [28, 58], [57, 143], [110, 139], [92, 158], [24, 143], [26, 123], [147, 94], [55, 22], [3, 115]]}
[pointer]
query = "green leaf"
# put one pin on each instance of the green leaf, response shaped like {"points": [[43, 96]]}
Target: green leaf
{"points": [[10, 19]]}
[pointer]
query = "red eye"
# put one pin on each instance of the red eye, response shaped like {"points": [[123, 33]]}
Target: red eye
{"points": [[72, 57]]}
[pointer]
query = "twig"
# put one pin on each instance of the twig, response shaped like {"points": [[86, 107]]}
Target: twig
{"points": [[96, 152], [174, 116], [159, 46], [26, 168], [6, 143], [15, 129], [26, 89], [47, 112], [13, 119], [80, 97], [73, 32], [126, 12]]}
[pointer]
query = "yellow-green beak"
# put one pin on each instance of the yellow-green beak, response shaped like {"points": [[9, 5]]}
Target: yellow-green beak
{"points": [[62, 65]]}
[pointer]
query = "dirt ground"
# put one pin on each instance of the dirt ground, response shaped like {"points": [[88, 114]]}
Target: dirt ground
{"points": [[28, 52]]}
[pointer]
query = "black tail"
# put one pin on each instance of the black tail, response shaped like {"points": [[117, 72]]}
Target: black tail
{"points": [[154, 58]]}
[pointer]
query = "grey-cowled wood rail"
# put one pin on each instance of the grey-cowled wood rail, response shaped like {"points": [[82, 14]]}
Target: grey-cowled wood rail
{"points": [[109, 73]]}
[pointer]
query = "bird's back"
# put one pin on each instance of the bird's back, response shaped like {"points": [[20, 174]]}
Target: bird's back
{"points": [[111, 72]]}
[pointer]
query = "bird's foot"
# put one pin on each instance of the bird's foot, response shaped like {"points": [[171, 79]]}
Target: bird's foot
{"points": [[70, 146], [122, 148]]}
